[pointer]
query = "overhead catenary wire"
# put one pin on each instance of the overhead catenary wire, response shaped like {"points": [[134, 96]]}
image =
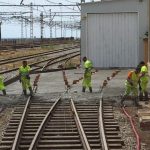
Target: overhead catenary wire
{"points": [[26, 18], [60, 4], [39, 5], [71, 2]]}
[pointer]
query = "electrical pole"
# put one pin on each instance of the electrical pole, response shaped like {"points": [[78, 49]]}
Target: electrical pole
{"points": [[26, 24], [76, 33], [0, 30], [21, 26], [71, 30], [149, 32], [63, 31], [55, 30], [42, 25], [50, 23], [61, 18], [31, 21]]}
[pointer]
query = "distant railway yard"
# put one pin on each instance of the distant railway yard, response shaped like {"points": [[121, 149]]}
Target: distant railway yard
{"points": [[59, 115]]}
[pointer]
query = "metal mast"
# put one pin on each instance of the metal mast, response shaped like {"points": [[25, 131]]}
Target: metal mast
{"points": [[50, 24], [31, 21], [42, 25]]}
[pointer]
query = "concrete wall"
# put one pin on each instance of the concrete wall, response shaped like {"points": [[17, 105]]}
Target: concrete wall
{"points": [[116, 6]]}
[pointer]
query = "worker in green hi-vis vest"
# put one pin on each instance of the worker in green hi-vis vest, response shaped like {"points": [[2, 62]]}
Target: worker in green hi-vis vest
{"points": [[2, 86], [24, 71], [144, 79], [87, 74], [131, 85]]}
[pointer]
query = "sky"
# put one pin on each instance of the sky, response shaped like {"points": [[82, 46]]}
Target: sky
{"points": [[12, 27]]}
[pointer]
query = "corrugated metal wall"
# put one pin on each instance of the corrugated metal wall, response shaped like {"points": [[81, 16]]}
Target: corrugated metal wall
{"points": [[112, 39]]}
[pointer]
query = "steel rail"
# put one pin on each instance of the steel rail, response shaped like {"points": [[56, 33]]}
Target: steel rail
{"points": [[42, 125], [22, 121], [70, 57], [84, 140], [15, 59], [33, 64], [55, 61], [14, 79], [20, 128], [13, 47], [53, 70], [101, 126]]}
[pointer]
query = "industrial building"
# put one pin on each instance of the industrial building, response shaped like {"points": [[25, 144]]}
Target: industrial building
{"points": [[113, 32]]}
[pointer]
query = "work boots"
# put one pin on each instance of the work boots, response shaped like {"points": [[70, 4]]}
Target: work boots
{"points": [[136, 101], [4, 92], [146, 96], [141, 96], [25, 92], [90, 89], [122, 100], [31, 91], [83, 89]]}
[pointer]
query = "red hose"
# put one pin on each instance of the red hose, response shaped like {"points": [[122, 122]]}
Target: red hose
{"points": [[138, 143]]}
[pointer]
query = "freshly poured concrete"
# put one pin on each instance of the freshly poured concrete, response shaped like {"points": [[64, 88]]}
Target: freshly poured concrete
{"points": [[51, 83]]}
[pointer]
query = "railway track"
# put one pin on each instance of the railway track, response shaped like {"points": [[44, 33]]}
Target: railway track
{"points": [[27, 57], [11, 45], [52, 59], [38, 65], [63, 124]]}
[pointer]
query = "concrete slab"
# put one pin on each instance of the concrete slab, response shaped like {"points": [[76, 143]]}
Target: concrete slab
{"points": [[144, 116], [145, 105], [143, 112], [144, 122], [53, 83]]}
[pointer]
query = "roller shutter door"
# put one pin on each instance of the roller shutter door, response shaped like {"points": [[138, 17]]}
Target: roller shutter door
{"points": [[112, 39]]}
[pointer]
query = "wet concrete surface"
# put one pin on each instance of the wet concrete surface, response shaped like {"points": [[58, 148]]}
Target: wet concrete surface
{"points": [[53, 84]]}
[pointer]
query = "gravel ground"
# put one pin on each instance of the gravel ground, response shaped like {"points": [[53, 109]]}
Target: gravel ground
{"points": [[4, 119], [144, 135], [126, 131]]}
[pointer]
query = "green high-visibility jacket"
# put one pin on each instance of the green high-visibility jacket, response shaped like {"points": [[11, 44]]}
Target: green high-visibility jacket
{"points": [[133, 77], [2, 87], [24, 71], [144, 70], [88, 64]]}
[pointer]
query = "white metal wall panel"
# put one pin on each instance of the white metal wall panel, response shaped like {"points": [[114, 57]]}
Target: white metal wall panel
{"points": [[112, 39]]}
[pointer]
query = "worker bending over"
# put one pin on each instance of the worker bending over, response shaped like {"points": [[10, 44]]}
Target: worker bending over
{"points": [[24, 71], [144, 79], [131, 85], [87, 75], [2, 86]]}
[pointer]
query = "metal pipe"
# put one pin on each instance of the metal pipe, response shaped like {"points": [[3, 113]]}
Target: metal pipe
{"points": [[0, 31], [149, 31]]}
